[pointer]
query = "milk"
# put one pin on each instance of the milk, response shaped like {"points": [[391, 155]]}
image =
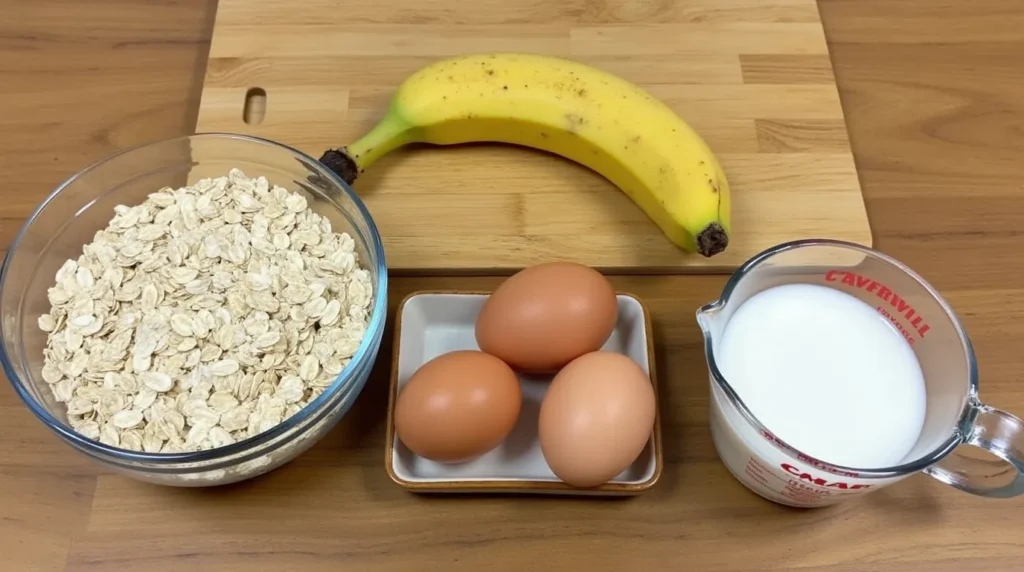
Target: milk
{"points": [[825, 373]]}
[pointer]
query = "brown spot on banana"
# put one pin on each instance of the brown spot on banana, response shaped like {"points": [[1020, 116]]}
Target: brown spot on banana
{"points": [[574, 122]]}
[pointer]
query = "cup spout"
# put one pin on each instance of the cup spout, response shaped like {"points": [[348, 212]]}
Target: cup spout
{"points": [[707, 315]]}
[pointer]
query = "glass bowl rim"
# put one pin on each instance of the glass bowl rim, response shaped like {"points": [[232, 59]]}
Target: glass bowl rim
{"points": [[345, 379]]}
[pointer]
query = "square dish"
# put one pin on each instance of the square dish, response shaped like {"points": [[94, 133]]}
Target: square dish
{"points": [[433, 323]]}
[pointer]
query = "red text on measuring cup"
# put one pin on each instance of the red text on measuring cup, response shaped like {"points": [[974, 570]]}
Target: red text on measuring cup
{"points": [[804, 476], [916, 322]]}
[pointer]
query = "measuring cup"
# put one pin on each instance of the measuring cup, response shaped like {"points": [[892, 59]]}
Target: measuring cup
{"points": [[955, 416]]}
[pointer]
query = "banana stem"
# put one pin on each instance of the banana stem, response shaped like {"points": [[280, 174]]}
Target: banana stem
{"points": [[349, 162], [390, 133]]}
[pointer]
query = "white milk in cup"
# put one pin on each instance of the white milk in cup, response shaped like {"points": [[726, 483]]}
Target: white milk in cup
{"points": [[835, 370]]}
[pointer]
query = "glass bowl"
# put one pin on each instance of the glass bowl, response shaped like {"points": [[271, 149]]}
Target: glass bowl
{"points": [[85, 203]]}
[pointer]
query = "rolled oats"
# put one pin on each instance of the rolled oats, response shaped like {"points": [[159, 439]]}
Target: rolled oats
{"points": [[205, 315]]}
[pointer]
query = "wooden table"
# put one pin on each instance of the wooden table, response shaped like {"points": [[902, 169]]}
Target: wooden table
{"points": [[934, 97]]}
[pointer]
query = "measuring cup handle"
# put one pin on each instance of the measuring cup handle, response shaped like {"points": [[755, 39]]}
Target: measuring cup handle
{"points": [[999, 433]]}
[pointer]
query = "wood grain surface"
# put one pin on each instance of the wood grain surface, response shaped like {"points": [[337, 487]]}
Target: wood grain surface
{"points": [[934, 101], [752, 76]]}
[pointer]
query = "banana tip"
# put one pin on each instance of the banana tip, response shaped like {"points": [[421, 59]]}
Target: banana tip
{"points": [[337, 160], [712, 240]]}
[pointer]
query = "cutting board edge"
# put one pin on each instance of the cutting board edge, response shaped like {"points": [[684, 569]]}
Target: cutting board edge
{"points": [[709, 269]]}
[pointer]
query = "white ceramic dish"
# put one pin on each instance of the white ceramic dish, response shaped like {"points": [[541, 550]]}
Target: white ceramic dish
{"points": [[432, 323]]}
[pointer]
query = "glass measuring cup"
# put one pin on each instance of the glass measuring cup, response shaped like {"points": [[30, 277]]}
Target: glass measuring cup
{"points": [[954, 416]]}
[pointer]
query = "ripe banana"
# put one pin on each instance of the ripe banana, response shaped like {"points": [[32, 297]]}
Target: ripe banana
{"points": [[584, 114]]}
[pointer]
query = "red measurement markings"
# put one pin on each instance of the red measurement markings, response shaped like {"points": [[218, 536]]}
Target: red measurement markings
{"points": [[811, 460]]}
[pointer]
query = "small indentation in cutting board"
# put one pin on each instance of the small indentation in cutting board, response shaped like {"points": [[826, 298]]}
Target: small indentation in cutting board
{"points": [[254, 108]]}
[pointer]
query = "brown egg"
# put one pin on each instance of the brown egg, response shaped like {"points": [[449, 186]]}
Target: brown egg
{"points": [[458, 406], [596, 418], [545, 316]]}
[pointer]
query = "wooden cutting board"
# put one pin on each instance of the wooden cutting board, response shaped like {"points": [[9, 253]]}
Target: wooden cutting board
{"points": [[752, 76]]}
